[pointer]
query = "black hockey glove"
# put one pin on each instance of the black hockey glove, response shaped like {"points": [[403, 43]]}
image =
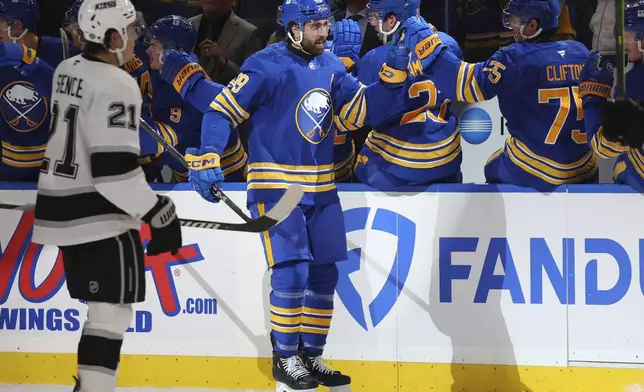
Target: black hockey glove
{"points": [[165, 228], [623, 122]]}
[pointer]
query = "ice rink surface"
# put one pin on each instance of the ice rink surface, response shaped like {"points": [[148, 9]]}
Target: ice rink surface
{"points": [[65, 388]]}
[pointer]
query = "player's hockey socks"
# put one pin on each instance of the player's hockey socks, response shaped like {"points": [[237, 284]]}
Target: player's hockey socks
{"points": [[624, 122]]}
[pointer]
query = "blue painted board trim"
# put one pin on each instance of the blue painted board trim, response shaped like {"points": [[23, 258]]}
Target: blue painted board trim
{"points": [[437, 188]]}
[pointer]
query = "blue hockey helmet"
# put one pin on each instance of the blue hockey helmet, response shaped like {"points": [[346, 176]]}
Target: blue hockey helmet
{"points": [[302, 11], [520, 12], [26, 11], [174, 32], [379, 10], [72, 13]]}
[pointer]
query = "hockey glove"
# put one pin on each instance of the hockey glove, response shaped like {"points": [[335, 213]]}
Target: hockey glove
{"points": [[421, 39], [623, 122], [596, 78], [205, 171], [394, 71], [346, 42], [181, 70], [14, 55], [165, 228]]}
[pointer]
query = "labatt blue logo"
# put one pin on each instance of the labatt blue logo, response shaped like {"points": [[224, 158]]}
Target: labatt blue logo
{"points": [[389, 222]]}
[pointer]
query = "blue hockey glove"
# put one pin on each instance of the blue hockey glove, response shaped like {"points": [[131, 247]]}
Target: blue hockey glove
{"points": [[394, 71], [421, 39], [596, 78], [346, 42], [205, 171], [14, 55], [181, 70]]}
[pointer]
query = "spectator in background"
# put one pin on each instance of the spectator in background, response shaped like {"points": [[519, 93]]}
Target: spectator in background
{"points": [[260, 13], [224, 40], [603, 24]]}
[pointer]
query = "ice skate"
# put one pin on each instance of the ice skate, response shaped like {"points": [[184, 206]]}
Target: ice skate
{"points": [[332, 379], [291, 375]]}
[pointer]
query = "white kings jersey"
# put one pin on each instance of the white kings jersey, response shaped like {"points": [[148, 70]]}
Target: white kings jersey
{"points": [[91, 186]]}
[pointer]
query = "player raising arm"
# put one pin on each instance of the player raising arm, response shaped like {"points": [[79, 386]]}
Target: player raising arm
{"points": [[615, 129], [423, 145], [92, 194], [536, 81], [183, 91], [291, 91]]}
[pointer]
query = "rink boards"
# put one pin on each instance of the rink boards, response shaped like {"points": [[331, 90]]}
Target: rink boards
{"points": [[454, 288]]}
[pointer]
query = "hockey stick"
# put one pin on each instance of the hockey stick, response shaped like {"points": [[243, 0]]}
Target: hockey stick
{"points": [[216, 192], [275, 215], [65, 41], [620, 67]]}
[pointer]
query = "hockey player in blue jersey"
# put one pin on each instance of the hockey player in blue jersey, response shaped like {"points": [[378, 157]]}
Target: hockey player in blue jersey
{"points": [[536, 80], [176, 33], [18, 23], [615, 128], [422, 146], [292, 92], [25, 88]]}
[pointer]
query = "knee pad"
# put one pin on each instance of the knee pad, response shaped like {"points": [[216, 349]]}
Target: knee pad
{"points": [[323, 278], [103, 317], [290, 277]]}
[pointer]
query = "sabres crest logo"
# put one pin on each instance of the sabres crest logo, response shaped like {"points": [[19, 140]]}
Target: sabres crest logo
{"points": [[314, 115], [22, 107]]}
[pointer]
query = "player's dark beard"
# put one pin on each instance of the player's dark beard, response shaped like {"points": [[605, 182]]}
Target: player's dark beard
{"points": [[312, 48]]}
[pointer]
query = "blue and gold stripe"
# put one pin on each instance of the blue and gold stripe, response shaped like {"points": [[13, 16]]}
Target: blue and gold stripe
{"points": [[548, 170], [314, 179], [636, 159], [354, 112], [233, 158], [226, 103], [415, 156], [286, 320], [23, 156], [467, 88], [316, 320], [604, 148]]}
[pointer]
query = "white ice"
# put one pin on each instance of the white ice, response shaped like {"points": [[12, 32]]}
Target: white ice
{"points": [[65, 388]]}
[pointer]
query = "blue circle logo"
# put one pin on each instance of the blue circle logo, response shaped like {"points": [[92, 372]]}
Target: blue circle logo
{"points": [[475, 125]]}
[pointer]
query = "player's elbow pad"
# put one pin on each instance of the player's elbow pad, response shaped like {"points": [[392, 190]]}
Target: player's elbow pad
{"points": [[113, 166]]}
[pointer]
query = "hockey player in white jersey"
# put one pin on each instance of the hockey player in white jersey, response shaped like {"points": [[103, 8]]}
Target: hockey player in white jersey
{"points": [[92, 193]]}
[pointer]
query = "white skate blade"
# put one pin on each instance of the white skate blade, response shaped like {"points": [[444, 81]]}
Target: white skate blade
{"points": [[341, 388], [281, 387]]}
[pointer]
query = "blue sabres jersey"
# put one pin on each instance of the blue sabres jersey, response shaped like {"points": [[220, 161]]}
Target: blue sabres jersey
{"points": [[292, 100], [139, 69], [629, 165], [537, 85], [422, 144], [170, 108], [25, 109]]}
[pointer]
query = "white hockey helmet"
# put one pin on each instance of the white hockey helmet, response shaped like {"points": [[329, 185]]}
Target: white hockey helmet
{"points": [[97, 17]]}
